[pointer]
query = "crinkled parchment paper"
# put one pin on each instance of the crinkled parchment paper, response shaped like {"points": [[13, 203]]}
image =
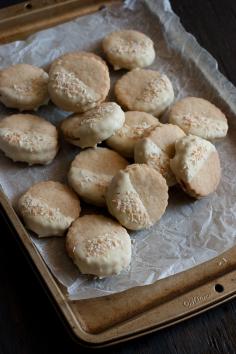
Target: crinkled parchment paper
{"points": [[191, 231]]}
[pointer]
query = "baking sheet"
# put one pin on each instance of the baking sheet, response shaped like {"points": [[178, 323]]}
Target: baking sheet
{"points": [[190, 231]]}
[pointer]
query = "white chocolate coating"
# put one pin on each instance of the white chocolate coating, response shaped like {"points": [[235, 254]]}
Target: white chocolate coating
{"points": [[199, 117], [128, 49], [98, 245], [42, 219], [146, 151], [48, 208], [145, 90], [78, 81], [132, 198], [94, 126], [191, 154], [71, 86], [127, 204], [157, 149]]}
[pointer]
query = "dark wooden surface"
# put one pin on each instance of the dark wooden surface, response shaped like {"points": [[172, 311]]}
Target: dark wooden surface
{"points": [[29, 323]]}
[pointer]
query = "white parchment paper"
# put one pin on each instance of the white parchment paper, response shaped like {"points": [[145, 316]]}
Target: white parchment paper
{"points": [[191, 231]]}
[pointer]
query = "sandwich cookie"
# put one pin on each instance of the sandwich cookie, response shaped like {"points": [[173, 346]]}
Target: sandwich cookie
{"points": [[78, 81], [28, 138], [157, 148], [24, 87], [48, 208], [98, 245], [144, 90], [196, 166], [137, 196], [92, 127], [128, 49], [92, 171], [137, 125], [199, 117]]}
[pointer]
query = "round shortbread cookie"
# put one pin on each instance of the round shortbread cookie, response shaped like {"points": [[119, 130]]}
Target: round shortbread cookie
{"points": [[128, 49], [48, 208], [92, 127], [199, 117], [137, 196], [24, 87], [196, 166], [137, 125], [78, 81], [144, 90], [98, 245], [28, 138], [91, 172], [157, 148]]}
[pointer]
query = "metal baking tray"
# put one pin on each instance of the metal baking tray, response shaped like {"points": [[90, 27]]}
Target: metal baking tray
{"points": [[132, 313]]}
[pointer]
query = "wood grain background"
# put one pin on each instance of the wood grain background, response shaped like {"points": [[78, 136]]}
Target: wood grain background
{"points": [[28, 322]]}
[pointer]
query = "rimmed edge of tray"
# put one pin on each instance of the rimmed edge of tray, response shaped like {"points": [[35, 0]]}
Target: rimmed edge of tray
{"points": [[166, 302], [21, 20]]}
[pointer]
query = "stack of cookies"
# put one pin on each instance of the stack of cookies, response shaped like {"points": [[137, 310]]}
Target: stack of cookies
{"points": [[140, 157]]}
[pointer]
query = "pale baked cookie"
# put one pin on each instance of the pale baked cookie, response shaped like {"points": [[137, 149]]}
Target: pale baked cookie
{"points": [[92, 127], [98, 245], [199, 117], [137, 125], [137, 196], [92, 171], [157, 148], [196, 166], [24, 87], [48, 208], [28, 138], [144, 90], [128, 49], [78, 81]]}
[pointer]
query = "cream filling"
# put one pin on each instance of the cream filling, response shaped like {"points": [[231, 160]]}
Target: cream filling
{"points": [[191, 154]]}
